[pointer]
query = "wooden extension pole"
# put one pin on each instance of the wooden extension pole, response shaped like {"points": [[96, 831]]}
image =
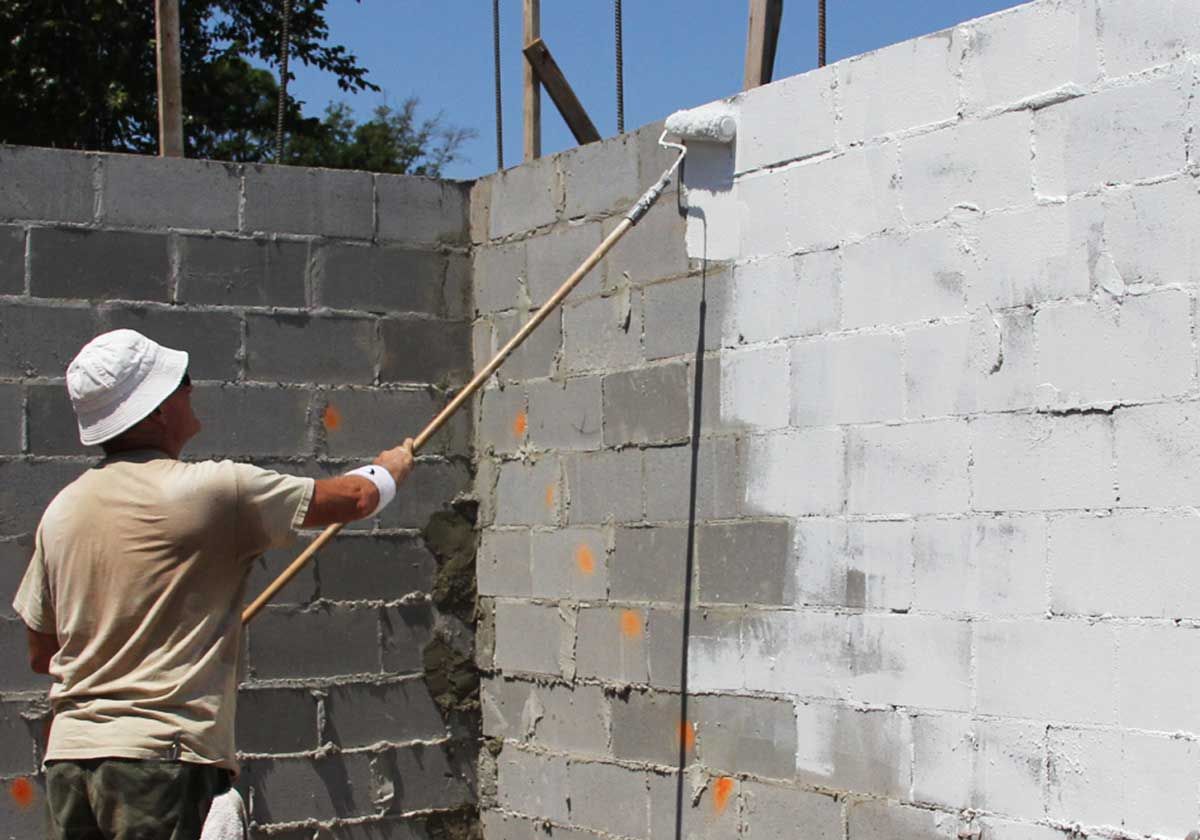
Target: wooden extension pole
{"points": [[170, 95], [533, 91], [446, 413], [762, 37], [537, 56]]}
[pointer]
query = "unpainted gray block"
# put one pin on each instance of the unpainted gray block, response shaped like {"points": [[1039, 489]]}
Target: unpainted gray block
{"points": [[290, 789], [646, 726], [232, 421], [498, 272], [12, 419], [503, 563], [654, 250], [435, 485], [555, 255], [15, 674], [772, 812], [537, 356], [12, 260], [673, 314], [14, 558], [529, 637], [746, 735], [377, 567], [320, 202], [251, 272], [601, 177], [571, 563], [524, 198], [556, 717], [380, 279], [650, 405], [711, 630], [424, 211], [899, 822], [669, 476], [25, 173], [311, 349], [213, 340], [502, 420], [20, 747], [157, 192], [361, 714], [33, 821], [628, 787], [301, 590], [603, 486], [603, 333], [724, 552], [363, 423], [566, 414], [51, 426], [872, 751], [26, 487], [529, 493], [407, 628], [649, 564], [533, 783], [335, 640], [425, 350], [104, 264], [276, 720], [611, 644]]}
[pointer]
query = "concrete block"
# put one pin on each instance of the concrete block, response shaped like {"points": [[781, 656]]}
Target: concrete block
{"points": [[873, 818], [783, 297], [405, 630], [363, 423], [721, 552], [910, 84], [1001, 829], [915, 468], [646, 727], [362, 714], [918, 661], [570, 564], [649, 405], [611, 644], [943, 759], [502, 420], [90, 264], [318, 202], [213, 340], [254, 272], [714, 643], [14, 656], [857, 564], [920, 276], [603, 333], [301, 590], [524, 197], [573, 720], [985, 566], [1146, 235], [1144, 342], [12, 260], [1066, 671], [1099, 564], [155, 192], [425, 350], [789, 120], [755, 388], [503, 563], [372, 568], [529, 493], [285, 790], [1040, 462], [498, 274], [982, 165], [828, 377], [50, 425], [21, 740], [374, 829], [24, 174], [1147, 657], [305, 348], [747, 735], [772, 813], [1157, 454], [378, 279], [601, 487], [14, 559], [629, 787], [1057, 46], [673, 314], [232, 421], [669, 477], [537, 356], [1112, 137], [424, 211], [865, 752], [276, 720], [1134, 38], [655, 249], [1033, 255], [649, 564], [555, 255], [711, 810], [32, 820], [26, 487], [530, 638], [566, 414], [438, 483], [335, 640], [600, 177]]}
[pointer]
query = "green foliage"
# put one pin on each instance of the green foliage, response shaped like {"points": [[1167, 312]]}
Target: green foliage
{"points": [[81, 74]]}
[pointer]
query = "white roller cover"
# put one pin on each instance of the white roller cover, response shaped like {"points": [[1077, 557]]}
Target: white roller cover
{"points": [[715, 123]]}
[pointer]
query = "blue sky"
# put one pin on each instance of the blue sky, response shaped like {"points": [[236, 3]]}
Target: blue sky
{"points": [[678, 53]]}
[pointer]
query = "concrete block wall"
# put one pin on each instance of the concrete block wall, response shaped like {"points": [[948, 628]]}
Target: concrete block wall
{"points": [[940, 498], [326, 314]]}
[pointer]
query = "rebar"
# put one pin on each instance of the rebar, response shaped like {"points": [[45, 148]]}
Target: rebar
{"points": [[620, 68], [284, 49], [496, 58]]}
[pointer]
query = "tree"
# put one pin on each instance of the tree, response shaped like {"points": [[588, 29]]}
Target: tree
{"points": [[81, 74]]}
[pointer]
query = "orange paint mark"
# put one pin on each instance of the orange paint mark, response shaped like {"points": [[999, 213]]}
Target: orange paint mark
{"points": [[721, 791], [22, 792], [631, 624], [332, 418], [549, 495], [520, 424], [687, 733], [585, 560]]}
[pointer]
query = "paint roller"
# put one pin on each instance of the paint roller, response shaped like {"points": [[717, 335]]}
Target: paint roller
{"points": [[715, 123]]}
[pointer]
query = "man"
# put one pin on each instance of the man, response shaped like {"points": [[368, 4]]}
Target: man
{"points": [[132, 599]]}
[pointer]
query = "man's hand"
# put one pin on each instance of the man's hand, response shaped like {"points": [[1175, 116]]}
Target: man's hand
{"points": [[398, 461]]}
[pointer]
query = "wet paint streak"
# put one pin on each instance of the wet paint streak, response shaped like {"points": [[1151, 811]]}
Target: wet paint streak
{"points": [[332, 418], [585, 560], [550, 495], [721, 791], [520, 424], [22, 792], [631, 624]]}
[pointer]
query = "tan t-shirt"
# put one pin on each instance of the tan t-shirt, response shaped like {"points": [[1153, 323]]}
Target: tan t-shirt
{"points": [[139, 569]]}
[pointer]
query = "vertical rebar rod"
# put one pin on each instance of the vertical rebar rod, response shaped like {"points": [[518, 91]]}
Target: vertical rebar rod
{"points": [[499, 114], [284, 49], [620, 68], [820, 33]]}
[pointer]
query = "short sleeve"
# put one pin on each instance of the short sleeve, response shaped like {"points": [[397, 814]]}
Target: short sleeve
{"points": [[270, 506], [34, 602]]}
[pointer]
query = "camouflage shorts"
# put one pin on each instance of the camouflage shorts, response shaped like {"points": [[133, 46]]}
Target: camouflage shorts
{"points": [[123, 799]]}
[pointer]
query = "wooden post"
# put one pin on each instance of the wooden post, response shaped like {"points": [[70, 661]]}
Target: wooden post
{"points": [[170, 95], [537, 57], [533, 90], [761, 39]]}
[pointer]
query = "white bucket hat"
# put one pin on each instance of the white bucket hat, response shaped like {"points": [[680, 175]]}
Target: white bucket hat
{"points": [[118, 379]]}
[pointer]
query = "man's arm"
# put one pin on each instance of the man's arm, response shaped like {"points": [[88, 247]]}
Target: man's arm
{"points": [[42, 647], [346, 498]]}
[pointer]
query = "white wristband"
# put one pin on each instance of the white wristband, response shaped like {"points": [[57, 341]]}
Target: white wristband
{"points": [[383, 481]]}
